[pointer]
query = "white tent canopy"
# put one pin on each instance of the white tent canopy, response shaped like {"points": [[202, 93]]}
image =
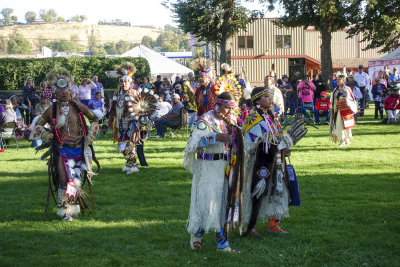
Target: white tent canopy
{"points": [[159, 65], [392, 60]]}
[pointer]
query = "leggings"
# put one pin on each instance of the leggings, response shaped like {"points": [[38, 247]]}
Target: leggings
{"points": [[378, 108]]}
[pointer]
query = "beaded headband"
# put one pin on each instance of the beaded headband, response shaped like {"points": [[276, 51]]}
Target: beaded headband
{"points": [[225, 102], [263, 92]]}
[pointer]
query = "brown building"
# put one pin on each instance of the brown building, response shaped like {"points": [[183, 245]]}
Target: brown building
{"points": [[264, 47]]}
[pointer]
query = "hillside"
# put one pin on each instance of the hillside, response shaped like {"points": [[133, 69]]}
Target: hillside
{"points": [[37, 34]]}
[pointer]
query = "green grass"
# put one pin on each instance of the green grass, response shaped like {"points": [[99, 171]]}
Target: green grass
{"points": [[349, 214]]}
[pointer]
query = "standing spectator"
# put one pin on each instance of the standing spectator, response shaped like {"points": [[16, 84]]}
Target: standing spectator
{"points": [[85, 90], [392, 105], [306, 90], [146, 84], [178, 89], [46, 91], [193, 83], [319, 86], [243, 112], [287, 92], [171, 119], [386, 74], [394, 79], [96, 103], [99, 87], [378, 95], [30, 98], [333, 83], [321, 109], [74, 90], [157, 84], [363, 81], [178, 80]]}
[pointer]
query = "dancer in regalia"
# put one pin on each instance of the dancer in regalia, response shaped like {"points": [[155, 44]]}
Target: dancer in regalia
{"points": [[266, 186], [128, 106], [214, 155], [71, 151], [343, 106]]}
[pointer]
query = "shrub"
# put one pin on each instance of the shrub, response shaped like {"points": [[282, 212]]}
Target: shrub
{"points": [[13, 72]]}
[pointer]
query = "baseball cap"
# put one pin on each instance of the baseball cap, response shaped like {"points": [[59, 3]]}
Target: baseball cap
{"points": [[323, 93], [176, 96]]}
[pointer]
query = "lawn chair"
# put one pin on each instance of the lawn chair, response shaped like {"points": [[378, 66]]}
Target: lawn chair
{"points": [[7, 132], [184, 123]]}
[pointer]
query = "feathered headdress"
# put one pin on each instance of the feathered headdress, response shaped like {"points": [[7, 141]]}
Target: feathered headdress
{"points": [[59, 77], [226, 68], [141, 104], [126, 70], [203, 66]]}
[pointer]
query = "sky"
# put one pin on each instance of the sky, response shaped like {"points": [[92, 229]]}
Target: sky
{"points": [[138, 12]]}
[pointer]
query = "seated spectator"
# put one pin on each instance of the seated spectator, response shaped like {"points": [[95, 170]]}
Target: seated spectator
{"points": [[379, 93], [99, 87], [321, 109], [42, 105], [146, 84], [392, 105], [7, 113], [45, 90], [85, 91], [96, 103], [17, 107], [165, 86], [171, 119], [163, 108]]}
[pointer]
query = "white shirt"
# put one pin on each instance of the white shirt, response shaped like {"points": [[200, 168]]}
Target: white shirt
{"points": [[163, 108], [362, 79]]}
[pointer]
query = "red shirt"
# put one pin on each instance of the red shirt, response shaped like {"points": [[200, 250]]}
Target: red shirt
{"points": [[392, 102], [323, 105]]}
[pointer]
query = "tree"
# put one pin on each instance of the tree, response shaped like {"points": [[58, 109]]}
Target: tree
{"points": [[18, 45], [60, 19], [6, 12], [48, 16], [123, 46], [213, 21], [14, 18], [147, 41], [63, 45], [92, 42], [110, 48], [327, 16], [30, 16], [79, 18], [98, 51], [380, 24]]}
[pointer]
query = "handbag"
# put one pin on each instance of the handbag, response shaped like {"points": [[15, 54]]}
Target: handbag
{"points": [[294, 192]]}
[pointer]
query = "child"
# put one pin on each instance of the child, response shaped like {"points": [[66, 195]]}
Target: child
{"points": [[322, 106], [392, 105], [378, 93], [143, 136]]}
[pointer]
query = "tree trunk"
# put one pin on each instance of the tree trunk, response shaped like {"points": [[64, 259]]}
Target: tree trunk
{"points": [[326, 54], [224, 54]]}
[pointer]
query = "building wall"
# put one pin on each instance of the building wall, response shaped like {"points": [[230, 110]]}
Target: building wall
{"points": [[257, 69], [264, 32]]}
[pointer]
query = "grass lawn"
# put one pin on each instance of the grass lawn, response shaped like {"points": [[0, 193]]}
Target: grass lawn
{"points": [[350, 213]]}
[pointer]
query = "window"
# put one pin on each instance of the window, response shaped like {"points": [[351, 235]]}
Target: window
{"points": [[246, 42], [283, 41]]}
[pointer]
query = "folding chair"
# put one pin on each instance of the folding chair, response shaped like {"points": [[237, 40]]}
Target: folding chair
{"points": [[7, 132], [183, 125]]}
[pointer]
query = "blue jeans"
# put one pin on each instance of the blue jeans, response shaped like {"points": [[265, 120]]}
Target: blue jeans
{"points": [[362, 100], [326, 114], [162, 124], [85, 102]]}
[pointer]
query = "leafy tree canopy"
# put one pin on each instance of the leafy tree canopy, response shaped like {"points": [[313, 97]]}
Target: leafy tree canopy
{"points": [[18, 45], [30, 16]]}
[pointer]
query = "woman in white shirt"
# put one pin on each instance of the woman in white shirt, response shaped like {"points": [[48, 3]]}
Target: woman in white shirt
{"points": [[84, 91]]}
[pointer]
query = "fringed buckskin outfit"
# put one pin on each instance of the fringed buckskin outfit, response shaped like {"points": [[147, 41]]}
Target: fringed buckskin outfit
{"points": [[343, 105], [214, 186]]}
